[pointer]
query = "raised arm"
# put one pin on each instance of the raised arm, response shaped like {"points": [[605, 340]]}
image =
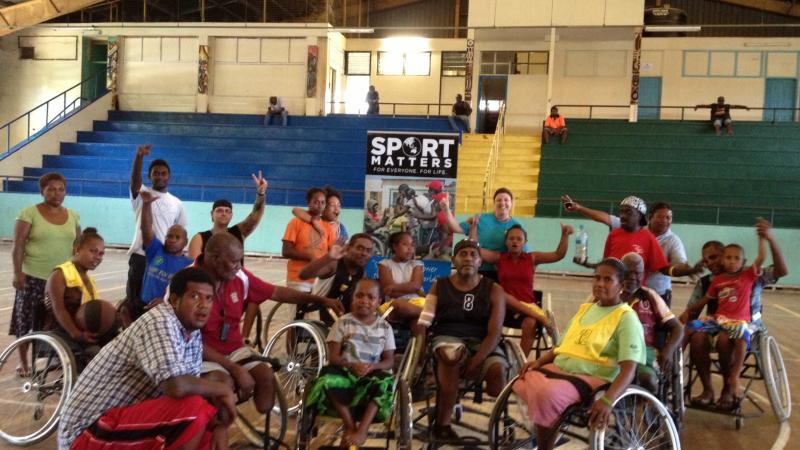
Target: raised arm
{"points": [[136, 171], [560, 251], [147, 217], [288, 251], [762, 254], [195, 246], [22, 230], [571, 205], [287, 295], [764, 230], [325, 266], [452, 223], [249, 224]]}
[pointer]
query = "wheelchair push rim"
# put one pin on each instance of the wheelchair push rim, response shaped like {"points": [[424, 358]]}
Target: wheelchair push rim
{"points": [[775, 378], [638, 420]]}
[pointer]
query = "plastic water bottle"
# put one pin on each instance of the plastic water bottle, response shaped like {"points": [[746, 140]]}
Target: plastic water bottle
{"points": [[581, 245]]}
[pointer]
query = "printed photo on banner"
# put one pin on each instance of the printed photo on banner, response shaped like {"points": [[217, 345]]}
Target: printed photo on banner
{"points": [[410, 182]]}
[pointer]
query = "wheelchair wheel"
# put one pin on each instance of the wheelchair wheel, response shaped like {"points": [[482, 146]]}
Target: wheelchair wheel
{"points": [[638, 420], [516, 358], [39, 397], [305, 428], [253, 425], [671, 389], [509, 426], [402, 415], [274, 315], [775, 377], [300, 348]]}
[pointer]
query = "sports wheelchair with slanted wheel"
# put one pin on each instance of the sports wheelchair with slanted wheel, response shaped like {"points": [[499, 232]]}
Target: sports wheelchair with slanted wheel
{"points": [[638, 420], [763, 361]]}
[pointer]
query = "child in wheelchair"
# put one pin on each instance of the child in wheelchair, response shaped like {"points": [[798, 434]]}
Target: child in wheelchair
{"points": [[516, 269], [401, 279], [730, 323], [358, 380], [654, 315]]}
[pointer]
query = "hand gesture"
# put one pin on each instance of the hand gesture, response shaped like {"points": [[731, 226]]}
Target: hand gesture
{"points": [[361, 369], [226, 408], [566, 230], [334, 305], [19, 281], [261, 183], [444, 203], [337, 249], [764, 229], [473, 369], [148, 196], [665, 362], [569, 204], [143, 150], [244, 382], [530, 365]]}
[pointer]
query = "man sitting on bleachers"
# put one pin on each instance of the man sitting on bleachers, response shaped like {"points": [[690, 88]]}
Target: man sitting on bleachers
{"points": [[554, 124], [721, 114], [276, 109]]}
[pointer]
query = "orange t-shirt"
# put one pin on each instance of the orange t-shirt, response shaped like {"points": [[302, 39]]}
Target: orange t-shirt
{"points": [[306, 239], [557, 123]]}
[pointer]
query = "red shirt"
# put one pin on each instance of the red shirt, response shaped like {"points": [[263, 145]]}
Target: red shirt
{"points": [[620, 241], [228, 306], [733, 292], [516, 275]]}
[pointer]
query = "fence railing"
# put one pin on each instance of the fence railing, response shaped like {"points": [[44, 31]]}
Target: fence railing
{"points": [[494, 155], [688, 112], [29, 125], [392, 109]]}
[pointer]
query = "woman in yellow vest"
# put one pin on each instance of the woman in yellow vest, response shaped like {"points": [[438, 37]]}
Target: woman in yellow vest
{"points": [[603, 343], [70, 285]]}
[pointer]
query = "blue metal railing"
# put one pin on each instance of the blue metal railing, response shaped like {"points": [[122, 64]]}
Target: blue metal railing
{"points": [[29, 125]]}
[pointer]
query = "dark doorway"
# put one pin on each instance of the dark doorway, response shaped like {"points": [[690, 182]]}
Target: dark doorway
{"points": [[491, 95]]}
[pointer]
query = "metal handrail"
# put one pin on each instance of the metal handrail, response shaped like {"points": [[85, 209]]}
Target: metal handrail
{"points": [[683, 109], [362, 107], [62, 110], [494, 155]]}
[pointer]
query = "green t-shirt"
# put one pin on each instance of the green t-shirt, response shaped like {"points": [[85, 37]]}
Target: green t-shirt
{"points": [[48, 245], [626, 344]]}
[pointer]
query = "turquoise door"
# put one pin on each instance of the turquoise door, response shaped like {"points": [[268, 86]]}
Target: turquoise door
{"points": [[649, 98], [780, 93]]}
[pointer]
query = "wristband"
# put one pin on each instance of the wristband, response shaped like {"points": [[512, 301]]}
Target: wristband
{"points": [[607, 402], [671, 269]]}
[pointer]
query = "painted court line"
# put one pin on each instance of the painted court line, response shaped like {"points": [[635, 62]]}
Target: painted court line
{"points": [[787, 310]]}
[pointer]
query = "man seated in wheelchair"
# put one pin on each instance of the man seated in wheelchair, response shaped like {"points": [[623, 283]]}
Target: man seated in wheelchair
{"points": [[603, 344], [73, 310], [358, 380], [730, 323], [654, 314], [516, 269], [465, 313], [338, 272], [224, 351]]}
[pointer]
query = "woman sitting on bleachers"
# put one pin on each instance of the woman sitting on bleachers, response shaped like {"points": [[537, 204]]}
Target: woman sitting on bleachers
{"points": [[603, 343]]}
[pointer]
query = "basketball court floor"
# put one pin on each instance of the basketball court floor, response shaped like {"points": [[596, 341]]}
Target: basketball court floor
{"points": [[703, 430]]}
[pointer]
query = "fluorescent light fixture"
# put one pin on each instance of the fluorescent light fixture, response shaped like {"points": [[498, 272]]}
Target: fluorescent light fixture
{"points": [[672, 29], [406, 44], [354, 30]]}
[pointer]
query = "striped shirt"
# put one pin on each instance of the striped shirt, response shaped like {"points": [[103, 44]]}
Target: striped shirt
{"points": [[362, 343], [130, 369]]}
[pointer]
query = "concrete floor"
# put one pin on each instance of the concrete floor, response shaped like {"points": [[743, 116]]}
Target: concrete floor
{"points": [[703, 430]]}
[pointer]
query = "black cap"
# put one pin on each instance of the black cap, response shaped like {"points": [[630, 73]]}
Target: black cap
{"points": [[466, 243], [221, 202]]}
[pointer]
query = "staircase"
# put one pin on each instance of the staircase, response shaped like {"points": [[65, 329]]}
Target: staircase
{"points": [[517, 169]]}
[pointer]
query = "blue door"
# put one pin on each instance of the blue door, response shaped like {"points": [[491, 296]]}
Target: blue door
{"points": [[649, 98], [780, 93]]}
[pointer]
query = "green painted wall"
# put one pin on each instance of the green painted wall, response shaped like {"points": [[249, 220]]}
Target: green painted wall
{"points": [[113, 217]]}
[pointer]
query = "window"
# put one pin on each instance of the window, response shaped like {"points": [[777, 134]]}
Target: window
{"points": [[454, 64], [514, 63], [398, 63], [358, 63]]}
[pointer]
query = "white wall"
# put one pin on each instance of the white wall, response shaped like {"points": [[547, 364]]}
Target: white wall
{"points": [[545, 13], [27, 83]]}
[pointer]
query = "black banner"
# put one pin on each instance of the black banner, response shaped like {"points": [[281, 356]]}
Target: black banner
{"points": [[412, 154]]}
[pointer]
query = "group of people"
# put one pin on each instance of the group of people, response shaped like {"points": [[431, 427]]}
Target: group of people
{"points": [[181, 359]]}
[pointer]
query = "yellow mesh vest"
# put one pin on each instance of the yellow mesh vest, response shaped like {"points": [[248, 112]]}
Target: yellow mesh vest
{"points": [[74, 280], [586, 342]]}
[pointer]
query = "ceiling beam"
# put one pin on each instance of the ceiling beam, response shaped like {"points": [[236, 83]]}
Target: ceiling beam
{"points": [[785, 8], [32, 12], [372, 6]]}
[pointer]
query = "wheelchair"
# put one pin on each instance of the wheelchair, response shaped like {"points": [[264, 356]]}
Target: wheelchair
{"points": [[638, 420], [471, 412], [545, 339], [763, 362], [398, 428]]}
